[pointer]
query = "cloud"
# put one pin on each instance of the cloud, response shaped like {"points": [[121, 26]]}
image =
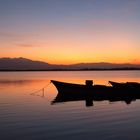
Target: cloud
{"points": [[5, 34], [26, 40], [12, 35], [25, 45], [31, 44]]}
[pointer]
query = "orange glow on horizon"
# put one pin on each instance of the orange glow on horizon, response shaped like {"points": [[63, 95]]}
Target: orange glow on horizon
{"points": [[67, 50]]}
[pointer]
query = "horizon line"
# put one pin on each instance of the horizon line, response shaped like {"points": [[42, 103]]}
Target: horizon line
{"points": [[134, 63]]}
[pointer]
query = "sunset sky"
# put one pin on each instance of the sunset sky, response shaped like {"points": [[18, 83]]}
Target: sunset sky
{"points": [[71, 31]]}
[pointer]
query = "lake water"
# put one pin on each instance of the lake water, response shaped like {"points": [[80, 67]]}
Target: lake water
{"points": [[29, 115]]}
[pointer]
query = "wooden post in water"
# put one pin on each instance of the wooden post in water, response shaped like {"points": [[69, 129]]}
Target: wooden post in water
{"points": [[89, 95], [89, 83]]}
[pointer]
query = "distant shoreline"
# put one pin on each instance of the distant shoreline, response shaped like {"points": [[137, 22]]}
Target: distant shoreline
{"points": [[24, 64], [113, 69]]}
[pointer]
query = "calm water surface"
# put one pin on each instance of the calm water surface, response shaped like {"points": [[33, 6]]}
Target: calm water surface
{"points": [[28, 115]]}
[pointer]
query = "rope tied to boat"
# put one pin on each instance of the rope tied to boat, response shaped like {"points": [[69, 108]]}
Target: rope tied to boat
{"points": [[109, 82], [42, 89]]}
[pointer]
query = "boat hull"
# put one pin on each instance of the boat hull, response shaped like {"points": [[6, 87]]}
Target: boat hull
{"points": [[72, 89], [76, 92], [96, 90]]}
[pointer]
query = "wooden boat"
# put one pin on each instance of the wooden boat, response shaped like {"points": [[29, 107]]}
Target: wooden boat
{"points": [[81, 89], [70, 88], [90, 93], [127, 85]]}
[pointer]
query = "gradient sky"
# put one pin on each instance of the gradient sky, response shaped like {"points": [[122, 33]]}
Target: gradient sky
{"points": [[71, 31]]}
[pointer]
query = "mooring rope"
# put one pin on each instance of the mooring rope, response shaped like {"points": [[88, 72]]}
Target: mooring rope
{"points": [[42, 89]]}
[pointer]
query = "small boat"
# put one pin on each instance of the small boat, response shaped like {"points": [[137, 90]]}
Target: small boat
{"points": [[118, 85], [90, 92], [127, 85], [88, 87], [70, 88]]}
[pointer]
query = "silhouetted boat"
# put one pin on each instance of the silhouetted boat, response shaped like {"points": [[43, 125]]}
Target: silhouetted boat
{"points": [[127, 85], [70, 88], [64, 87], [122, 89], [88, 92]]}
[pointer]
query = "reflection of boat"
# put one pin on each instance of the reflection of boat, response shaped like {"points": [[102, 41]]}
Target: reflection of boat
{"points": [[90, 99], [89, 93]]}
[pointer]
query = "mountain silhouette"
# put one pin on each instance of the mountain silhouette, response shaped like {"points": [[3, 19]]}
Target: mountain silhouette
{"points": [[27, 64]]}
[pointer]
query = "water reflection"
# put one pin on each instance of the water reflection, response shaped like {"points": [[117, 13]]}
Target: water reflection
{"points": [[89, 100], [23, 116], [17, 82]]}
